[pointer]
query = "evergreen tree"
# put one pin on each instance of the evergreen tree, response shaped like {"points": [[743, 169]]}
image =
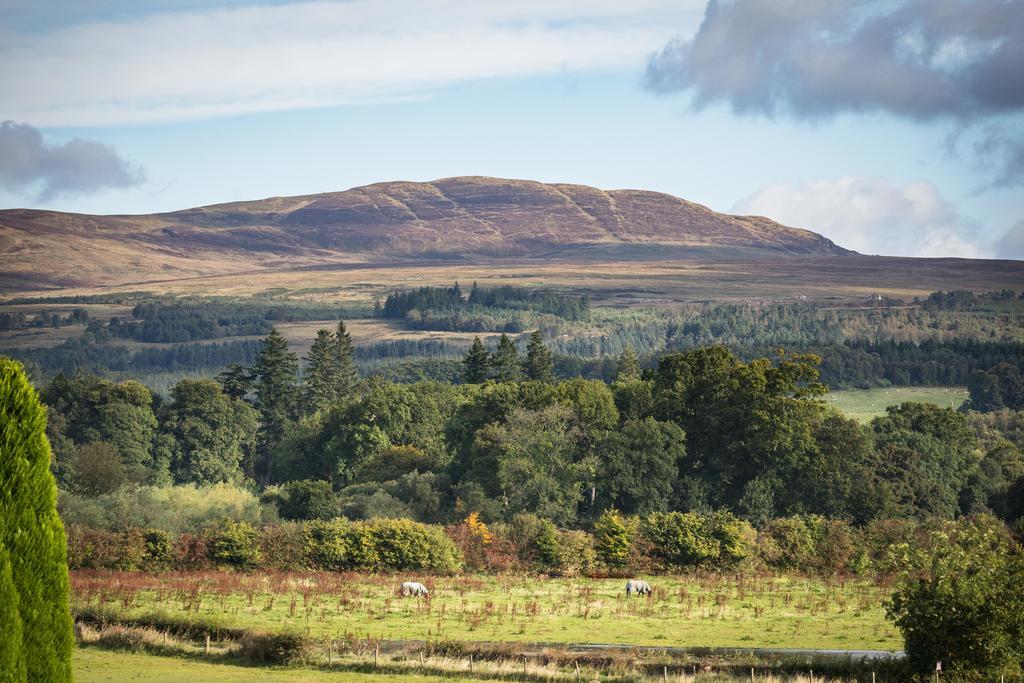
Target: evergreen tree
{"points": [[378, 310], [476, 363], [457, 292], [276, 395], [629, 366], [36, 638], [321, 381], [505, 361], [540, 366], [474, 294], [345, 358], [236, 380]]}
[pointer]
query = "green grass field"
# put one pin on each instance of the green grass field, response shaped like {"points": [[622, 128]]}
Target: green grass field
{"points": [[865, 404], [685, 611], [93, 665]]}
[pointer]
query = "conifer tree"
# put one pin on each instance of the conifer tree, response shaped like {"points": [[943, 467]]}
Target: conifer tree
{"points": [[276, 395], [476, 363], [36, 637], [321, 380], [236, 380], [474, 294], [378, 310], [629, 366], [540, 366], [505, 361], [345, 357]]}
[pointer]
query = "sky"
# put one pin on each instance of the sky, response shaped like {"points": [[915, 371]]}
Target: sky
{"points": [[890, 126]]}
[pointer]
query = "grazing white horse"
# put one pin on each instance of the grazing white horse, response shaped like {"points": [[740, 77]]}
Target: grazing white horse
{"points": [[638, 587], [414, 588]]}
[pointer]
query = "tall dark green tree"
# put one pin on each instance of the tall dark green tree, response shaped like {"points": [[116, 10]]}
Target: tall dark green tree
{"points": [[345, 357], [540, 366], [321, 382], [236, 380], [277, 393], [505, 361], [36, 638], [476, 364]]}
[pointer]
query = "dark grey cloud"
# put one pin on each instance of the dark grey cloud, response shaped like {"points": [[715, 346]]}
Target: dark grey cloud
{"points": [[955, 60], [75, 167]]}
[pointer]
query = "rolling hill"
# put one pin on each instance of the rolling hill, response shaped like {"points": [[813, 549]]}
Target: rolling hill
{"points": [[454, 219]]}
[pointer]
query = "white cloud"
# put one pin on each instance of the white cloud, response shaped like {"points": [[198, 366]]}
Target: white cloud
{"points": [[1011, 245], [870, 215], [180, 65]]}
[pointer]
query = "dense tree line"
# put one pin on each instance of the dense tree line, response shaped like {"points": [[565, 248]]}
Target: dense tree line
{"points": [[19, 320], [704, 430]]}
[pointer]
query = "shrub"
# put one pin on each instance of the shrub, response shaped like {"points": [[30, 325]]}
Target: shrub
{"points": [[234, 544], [960, 603], [35, 642], [131, 549], [479, 547], [533, 541], [404, 544], [158, 551], [612, 539], [91, 548], [681, 539], [576, 553], [274, 648], [283, 546], [786, 544], [192, 551], [379, 544], [339, 545], [307, 499]]}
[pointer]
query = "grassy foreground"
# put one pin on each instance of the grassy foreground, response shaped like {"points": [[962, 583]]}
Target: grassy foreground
{"points": [[92, 665], [865, 404], [685, 611]]}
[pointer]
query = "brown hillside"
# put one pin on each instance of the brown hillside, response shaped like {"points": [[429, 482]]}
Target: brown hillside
{"points": [[449, 219]]}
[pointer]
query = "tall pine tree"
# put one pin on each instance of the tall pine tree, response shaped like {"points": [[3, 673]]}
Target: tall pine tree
{"points": [[505, 361], [345, 357], [276, 396], [320, 383], [36, 637], [476, 364], [540, 366]]}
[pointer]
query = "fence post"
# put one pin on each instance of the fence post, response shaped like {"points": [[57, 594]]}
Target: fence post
{"points": [[751, 674], [471, 663], [577, 664], [664, 673], [524, 666], [330, 650], [207, 643], [376, 653]]}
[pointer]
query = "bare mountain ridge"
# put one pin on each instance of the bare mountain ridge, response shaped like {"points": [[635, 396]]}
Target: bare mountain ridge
{"points": [[453, 218]]}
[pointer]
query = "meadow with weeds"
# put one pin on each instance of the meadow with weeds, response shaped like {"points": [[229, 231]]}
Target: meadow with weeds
{"points": [[698, 610]]}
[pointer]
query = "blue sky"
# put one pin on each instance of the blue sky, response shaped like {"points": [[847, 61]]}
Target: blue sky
{"points": [[188, 103]]}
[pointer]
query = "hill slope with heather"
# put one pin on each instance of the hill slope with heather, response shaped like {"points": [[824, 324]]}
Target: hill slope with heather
{"points": [[454, 219]]}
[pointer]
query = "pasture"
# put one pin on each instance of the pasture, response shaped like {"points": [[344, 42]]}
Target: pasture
{"points": [[741, 611], [866, 404]]}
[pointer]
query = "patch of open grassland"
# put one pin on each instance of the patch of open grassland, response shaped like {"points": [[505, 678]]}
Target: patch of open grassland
{"points": [[866, 404], [685, 611]]}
